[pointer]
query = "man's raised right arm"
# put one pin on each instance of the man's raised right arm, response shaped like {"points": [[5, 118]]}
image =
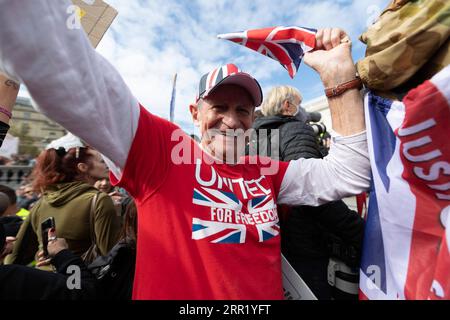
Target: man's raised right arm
{"points": [[70, 82]]}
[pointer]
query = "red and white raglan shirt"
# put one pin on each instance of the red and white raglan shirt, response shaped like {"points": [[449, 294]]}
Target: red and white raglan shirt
{"points": [[206, 230]]}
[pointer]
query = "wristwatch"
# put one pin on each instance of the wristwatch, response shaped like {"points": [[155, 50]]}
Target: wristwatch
{"points": [[341, 88]]}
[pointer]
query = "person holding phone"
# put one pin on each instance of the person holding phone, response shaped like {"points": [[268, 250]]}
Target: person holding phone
{"points": [[19, 282], [47, 226], [83, 216]]}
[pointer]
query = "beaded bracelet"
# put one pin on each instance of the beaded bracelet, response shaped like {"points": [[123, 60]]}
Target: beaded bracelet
{"points": [[6, 112]]}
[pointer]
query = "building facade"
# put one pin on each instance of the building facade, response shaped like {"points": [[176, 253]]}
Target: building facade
{"points": [[33, 128]]}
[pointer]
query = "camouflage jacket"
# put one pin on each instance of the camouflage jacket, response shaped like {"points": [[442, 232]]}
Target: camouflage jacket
{"points": [[407, 45]]}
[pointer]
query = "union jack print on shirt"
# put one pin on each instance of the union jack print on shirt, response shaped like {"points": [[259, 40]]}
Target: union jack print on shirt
{"points": [[216, 198], [218, 232], [258, 213], [260, 203], [268, 230]]}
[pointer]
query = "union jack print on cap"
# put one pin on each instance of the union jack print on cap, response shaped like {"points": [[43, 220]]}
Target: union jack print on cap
{"points": [[230, 74]]}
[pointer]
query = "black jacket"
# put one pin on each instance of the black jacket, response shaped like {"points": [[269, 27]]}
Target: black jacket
{"points": [[19, 282], [297, 139], [308, 231], [11, 224], [115, 271]]}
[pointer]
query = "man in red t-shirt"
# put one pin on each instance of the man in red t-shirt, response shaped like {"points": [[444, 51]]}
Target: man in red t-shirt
{"points": [[208, 225]]}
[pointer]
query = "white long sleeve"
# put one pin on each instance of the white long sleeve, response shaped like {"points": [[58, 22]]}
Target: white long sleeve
{"points": [[70, 82], [344, 172]]}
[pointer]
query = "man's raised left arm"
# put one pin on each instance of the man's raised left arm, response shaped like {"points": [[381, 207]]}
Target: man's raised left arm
{"points": [[346, 170]]}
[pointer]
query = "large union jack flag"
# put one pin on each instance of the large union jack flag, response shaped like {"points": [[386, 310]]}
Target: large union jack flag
{"points": [[287, 45], [406, 252]]}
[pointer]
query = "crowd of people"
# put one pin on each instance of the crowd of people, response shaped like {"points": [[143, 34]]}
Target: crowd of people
{"points": [[17, 160], [91, 216], [73, 187], [142, 215]]}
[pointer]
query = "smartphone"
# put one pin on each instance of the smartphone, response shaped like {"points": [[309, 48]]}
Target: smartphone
{"points": [[45, 226]]}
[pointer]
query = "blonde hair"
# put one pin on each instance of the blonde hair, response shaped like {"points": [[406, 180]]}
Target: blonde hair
{"points": [[273, 103]]}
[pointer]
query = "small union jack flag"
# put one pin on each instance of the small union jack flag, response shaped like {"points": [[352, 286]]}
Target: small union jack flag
{"points": [[287, 45]]}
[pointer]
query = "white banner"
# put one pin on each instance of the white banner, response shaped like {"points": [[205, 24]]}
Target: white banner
{"points": [[294, 286], [10, 146]]}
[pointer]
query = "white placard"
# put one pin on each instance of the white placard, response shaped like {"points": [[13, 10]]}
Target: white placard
{"points": [[96, 17], [294, 286], [10, 146]]}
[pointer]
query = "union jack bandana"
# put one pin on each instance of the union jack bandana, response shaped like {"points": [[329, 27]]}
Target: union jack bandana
{"points": [[287, 45]]}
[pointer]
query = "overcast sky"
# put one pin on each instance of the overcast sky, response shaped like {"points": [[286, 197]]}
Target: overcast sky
{"points": [[151, 40]]}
